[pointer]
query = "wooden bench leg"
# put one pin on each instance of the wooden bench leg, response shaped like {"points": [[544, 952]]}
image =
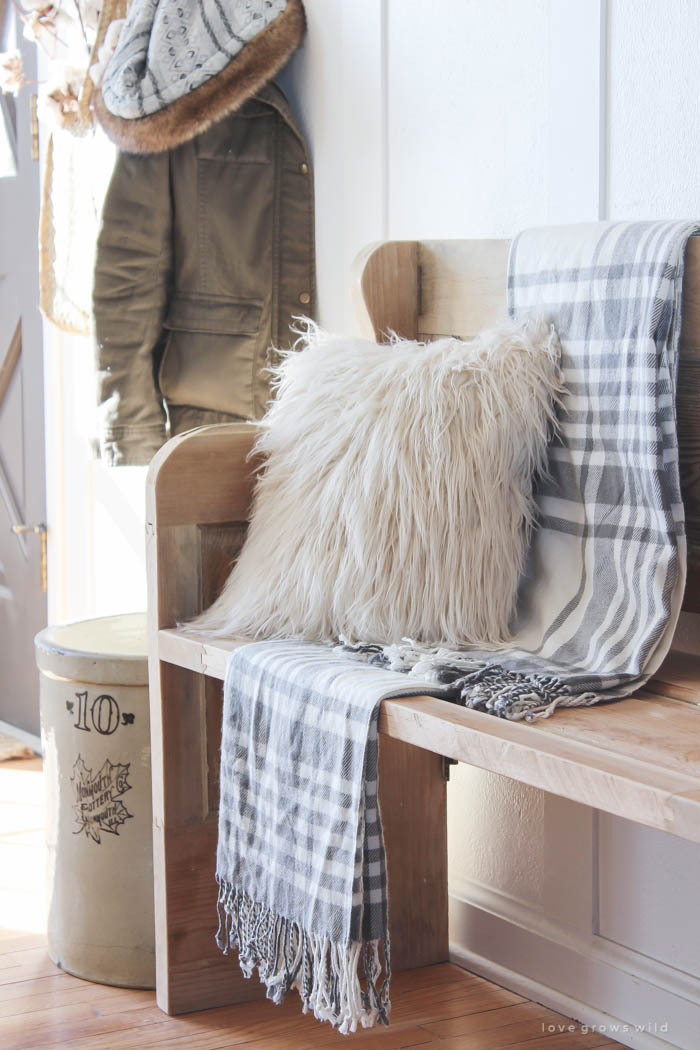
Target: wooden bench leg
{"points": [[191, 972], [186, 563], [413, 802]]}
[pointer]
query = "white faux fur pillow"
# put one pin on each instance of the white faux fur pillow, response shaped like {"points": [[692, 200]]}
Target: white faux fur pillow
{"points": [[396, 499]]}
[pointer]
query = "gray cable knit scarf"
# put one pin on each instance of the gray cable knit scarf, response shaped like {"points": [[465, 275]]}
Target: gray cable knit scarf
{"points": [[168, 48]]}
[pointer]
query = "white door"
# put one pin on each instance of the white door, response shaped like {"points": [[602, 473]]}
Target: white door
{"points": [[22, 480]]}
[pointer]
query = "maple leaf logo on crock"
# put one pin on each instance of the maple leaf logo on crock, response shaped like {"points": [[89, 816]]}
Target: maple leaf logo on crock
{"points": [[97, 806]]}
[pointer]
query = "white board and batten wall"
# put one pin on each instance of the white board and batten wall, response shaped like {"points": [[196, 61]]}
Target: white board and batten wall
{"points": [[462, 118], [468, 118]]}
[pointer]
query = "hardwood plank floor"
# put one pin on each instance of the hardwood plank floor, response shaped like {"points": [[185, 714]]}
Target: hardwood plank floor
{"points": [[44, 1008]]}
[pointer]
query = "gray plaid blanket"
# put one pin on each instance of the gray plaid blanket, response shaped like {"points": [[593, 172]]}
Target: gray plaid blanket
{"points": [[300, 862], [602, 590]]}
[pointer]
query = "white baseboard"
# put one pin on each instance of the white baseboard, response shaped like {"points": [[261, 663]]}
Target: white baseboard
{"points": [[21, 734], [590, 979]]}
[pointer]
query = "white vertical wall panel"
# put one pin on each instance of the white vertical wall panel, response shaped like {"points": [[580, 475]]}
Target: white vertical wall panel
{"points": [[648, 885], [468, 114], [314, 82], [654, 109], [577, 96], [336, 85], [495, 834]]}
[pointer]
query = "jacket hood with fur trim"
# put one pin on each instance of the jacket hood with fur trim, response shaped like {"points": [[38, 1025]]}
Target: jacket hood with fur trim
{"points": [[180, 67]]}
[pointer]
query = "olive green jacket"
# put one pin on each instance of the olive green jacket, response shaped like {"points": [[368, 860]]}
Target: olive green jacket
{"points": [[205, 255]]}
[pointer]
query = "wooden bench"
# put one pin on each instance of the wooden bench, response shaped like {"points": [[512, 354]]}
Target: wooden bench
{"points": [[637, 758]]}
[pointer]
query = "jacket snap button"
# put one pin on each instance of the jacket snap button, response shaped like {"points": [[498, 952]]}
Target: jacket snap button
{"points": [[305, 298], [304, 169]]}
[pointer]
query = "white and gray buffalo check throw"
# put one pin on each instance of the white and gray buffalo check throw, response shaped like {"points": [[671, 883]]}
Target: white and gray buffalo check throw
{"points": [[604, 582], [300, 862]]}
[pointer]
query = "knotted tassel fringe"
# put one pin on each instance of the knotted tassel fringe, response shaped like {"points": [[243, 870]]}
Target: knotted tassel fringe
{"points": [[511, 694], [324, 972], [492, 688]]}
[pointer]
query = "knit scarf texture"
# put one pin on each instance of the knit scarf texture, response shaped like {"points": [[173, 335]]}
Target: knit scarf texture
{"points": [[169, 48]]}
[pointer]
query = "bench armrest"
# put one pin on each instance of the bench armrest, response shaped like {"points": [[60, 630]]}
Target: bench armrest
{"points": [[203, 477], [199, 485]]}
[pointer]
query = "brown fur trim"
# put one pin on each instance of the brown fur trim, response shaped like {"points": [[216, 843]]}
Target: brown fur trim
{"points": [[192, 114]]}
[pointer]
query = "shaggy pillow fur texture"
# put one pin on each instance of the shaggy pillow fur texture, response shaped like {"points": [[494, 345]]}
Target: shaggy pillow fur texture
{"points": [[396, 500]]}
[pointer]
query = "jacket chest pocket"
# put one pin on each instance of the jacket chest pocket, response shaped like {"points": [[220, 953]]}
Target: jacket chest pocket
{"points": [[212, 354]]}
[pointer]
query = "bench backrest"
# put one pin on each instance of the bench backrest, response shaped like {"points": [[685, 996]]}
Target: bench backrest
{"points": [[423, 289]]}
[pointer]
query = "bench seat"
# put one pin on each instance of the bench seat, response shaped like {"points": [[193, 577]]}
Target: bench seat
{"points": [[638, 758]]}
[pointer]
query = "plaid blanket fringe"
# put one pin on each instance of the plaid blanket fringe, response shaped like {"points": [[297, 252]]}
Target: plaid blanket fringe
{"points": [[325, 973], [476, 684]]}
